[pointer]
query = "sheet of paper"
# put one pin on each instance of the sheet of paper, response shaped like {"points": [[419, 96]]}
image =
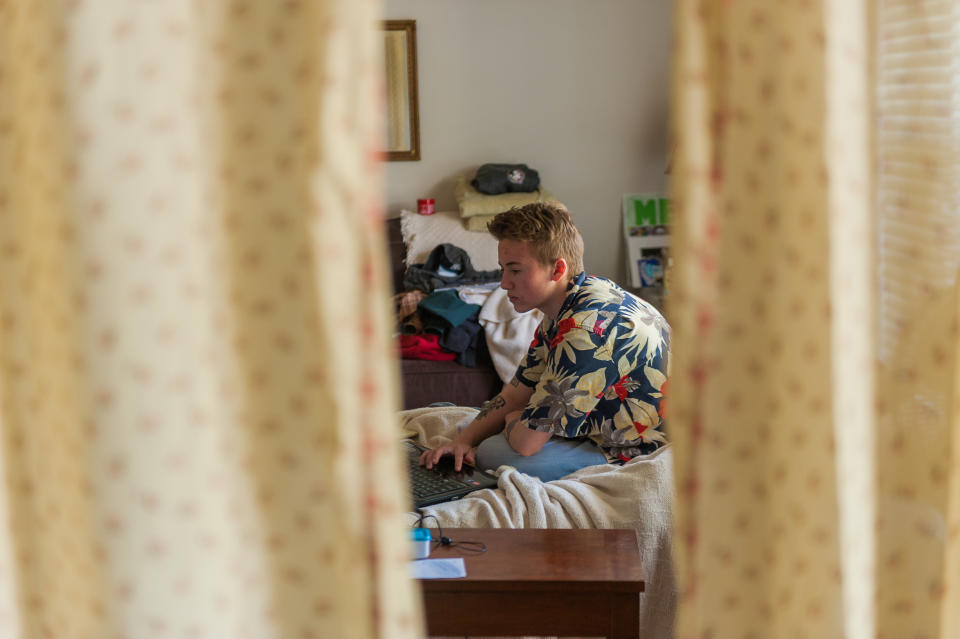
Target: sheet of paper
{"points": [[438, 568]]}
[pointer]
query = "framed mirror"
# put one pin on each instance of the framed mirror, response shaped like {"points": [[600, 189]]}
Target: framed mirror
{"points": [[403, 113]]}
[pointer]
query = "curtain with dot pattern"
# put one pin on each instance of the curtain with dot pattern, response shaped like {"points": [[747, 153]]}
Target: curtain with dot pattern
{"points": [[818, 483], [197, 386]]}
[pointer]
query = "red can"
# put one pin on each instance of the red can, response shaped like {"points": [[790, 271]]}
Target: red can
{"points": [[425, 206]]}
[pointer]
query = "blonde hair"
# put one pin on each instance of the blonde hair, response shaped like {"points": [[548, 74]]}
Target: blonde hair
{"points": [[548, 228]]}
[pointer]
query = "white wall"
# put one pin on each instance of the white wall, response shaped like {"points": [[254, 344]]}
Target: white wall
{"points": [[576, 89]]}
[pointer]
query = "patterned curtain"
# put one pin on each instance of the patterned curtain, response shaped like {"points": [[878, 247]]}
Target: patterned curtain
{"points": [[814, 411], [197, 386]]}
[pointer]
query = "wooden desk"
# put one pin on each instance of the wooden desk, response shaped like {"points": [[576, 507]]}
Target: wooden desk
{"points": [[539, 582]]}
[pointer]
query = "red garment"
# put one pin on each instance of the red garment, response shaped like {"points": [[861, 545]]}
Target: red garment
{"points": [[424, 346]]}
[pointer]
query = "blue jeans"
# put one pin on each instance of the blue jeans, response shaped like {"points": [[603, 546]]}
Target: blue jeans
{"points": [[557, 458]]}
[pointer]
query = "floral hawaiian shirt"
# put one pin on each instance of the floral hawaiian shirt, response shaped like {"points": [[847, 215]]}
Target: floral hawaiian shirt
{"points": [[600, 370]]}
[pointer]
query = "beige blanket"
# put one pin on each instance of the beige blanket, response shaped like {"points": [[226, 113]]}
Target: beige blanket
{"points": [[637, 495]]}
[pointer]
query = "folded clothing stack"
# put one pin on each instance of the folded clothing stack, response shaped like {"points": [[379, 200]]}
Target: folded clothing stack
{"points": [[478, 208], [441, 326]]}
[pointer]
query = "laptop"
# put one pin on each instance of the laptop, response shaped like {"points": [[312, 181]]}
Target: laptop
{"points": [[441, 483]]}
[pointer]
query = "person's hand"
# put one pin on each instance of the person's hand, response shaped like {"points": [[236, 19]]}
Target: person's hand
{"points": [[459, 450]]}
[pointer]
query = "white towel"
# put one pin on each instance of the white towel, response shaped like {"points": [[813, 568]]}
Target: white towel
{"points": [[476, 294], [508, 332]]}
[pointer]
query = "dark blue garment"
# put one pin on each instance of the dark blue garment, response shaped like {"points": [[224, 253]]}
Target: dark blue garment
{"points": [[467, 340]]}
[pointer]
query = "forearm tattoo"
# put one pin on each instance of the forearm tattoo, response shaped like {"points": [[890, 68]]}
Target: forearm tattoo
{"points": [[510, 427], [490, 406], [515, 381]]}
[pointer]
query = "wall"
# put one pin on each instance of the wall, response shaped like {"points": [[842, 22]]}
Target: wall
{"points": [[576, 89]]}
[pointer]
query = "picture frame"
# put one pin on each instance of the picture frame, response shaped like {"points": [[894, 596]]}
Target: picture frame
{"points": [[402, 141]]}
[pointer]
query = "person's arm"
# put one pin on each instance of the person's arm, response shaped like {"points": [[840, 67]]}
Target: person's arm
{"points": [[521, 438], [489, 421]]}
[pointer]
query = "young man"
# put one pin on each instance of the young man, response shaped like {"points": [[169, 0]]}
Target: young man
{"points": [[590, 388]]}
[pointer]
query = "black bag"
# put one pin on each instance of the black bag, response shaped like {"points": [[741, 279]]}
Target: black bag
{"points": [[494, 179]]}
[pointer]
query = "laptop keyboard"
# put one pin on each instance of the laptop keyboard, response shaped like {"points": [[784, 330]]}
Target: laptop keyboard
{"points": [[423, 484], [424, 481]]}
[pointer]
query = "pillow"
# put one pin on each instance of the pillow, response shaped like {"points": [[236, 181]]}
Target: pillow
{"points": [[422, 234], [473, 202]]}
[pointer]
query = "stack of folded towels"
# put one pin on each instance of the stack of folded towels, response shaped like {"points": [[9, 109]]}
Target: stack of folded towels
{"points": [[497, 188]]}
